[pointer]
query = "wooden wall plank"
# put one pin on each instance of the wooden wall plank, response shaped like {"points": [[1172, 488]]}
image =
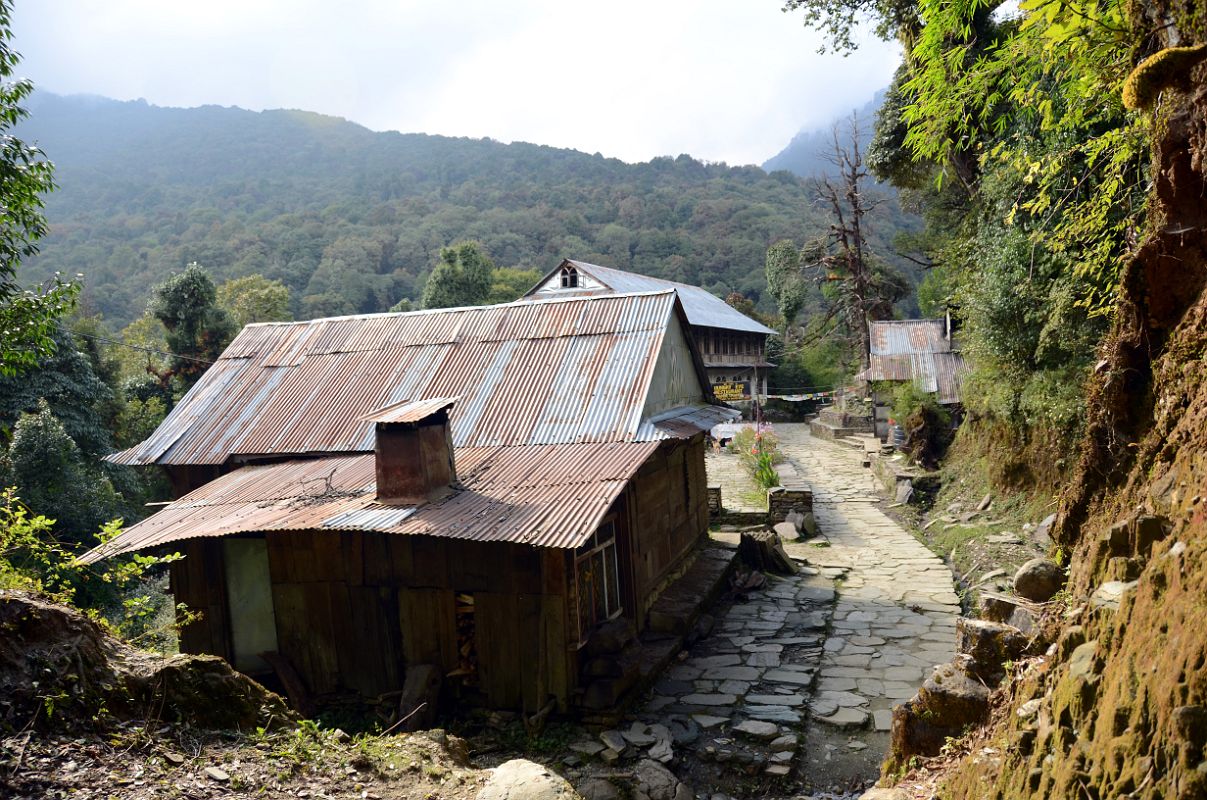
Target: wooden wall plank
{"points": [[428, 628], [499, 639]]}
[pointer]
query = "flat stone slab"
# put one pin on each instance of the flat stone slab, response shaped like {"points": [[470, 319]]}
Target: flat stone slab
{"points": [[709, 662], [846, 718], [882, 720], [843, 699], [762, 647], [733, 674], [776, 699], [773, 713], [788, 676], [708, 699], [738, 688], [757, 729], [708, 720]]}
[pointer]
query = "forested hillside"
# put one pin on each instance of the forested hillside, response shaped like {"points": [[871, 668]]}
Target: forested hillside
{"points": [[351, 220]]}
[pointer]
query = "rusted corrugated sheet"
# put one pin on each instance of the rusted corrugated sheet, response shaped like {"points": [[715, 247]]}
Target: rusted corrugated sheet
{"points": [[949, 375], [410, 412], [544, 372], [915, 350], [903, 337], [543, 495]]}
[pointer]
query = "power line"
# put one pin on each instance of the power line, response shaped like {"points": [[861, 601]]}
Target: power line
{"points": [[143, 349]]}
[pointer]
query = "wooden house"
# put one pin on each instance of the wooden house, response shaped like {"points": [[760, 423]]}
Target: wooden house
{"points": [[732, 345], [478, 489]]}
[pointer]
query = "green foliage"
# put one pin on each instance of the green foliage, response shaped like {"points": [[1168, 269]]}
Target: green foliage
{"points": [[147, 344], [759, 453], [53, 477], [27, 316], [117, 592], [508, 284], [1039, 102], [784, 280], [839, 19], [909, 400], [254, 298], [30, 558], [198, 329], [350, 220], [67, 385], [463, 276], [137, 420]]}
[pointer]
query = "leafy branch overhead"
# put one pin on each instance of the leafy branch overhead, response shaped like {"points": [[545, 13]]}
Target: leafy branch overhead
{"points": [[27, 316]]}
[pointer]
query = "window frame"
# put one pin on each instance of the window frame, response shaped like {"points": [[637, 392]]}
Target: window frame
{"points": [[613, 605]]}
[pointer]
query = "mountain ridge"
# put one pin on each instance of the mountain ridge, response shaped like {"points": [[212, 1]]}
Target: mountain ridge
{"points": [[351, 219]]}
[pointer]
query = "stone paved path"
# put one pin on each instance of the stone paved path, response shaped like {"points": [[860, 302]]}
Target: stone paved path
{"points": [[801, 675], [896, 610], [738, 492]]}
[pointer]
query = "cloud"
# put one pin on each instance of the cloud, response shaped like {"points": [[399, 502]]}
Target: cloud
{"points": [[723, 80]]}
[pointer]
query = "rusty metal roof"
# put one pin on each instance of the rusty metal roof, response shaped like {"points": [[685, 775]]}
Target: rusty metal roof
{"points": [[916, 350], [703, 308], [904, 337], [534, 372], [542, 495], [408, 411]]}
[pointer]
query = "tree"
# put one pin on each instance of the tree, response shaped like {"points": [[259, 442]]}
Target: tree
{"points": [[784, 280], [198, 329], [508, 284], [53, 478], [859, 285], [67, 385], [27, 316], [462, 277], [839, 19], [254, 298], [145, 354]]}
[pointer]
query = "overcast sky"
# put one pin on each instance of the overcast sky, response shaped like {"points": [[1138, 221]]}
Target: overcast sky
{"points": [[722, 80]]}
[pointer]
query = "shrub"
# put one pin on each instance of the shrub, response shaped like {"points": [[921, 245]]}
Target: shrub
{"points": [[759, 452], [123, 593]]}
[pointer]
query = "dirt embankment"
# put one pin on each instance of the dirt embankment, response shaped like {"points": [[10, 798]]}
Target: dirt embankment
{"points": [[85, 715], [1118, 706]]}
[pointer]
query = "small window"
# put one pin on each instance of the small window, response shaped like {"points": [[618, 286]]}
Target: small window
{"points": [[569, 278], [596, 586]]}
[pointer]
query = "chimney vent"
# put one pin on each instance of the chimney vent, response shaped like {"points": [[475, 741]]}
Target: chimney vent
{"points": [[414, 452]]}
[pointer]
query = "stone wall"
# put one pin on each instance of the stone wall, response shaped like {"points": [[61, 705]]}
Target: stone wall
{"points": [[783, 500]]}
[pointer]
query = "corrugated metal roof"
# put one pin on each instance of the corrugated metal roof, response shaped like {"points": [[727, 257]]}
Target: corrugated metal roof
{"points": [[542, 495], [702, 307], [950, 370], [915, 350], [903, 337], [689, 420], [410, 411], [544, 372]]}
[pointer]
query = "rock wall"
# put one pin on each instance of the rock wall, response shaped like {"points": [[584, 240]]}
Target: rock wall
{"points": [[1117, 706]]}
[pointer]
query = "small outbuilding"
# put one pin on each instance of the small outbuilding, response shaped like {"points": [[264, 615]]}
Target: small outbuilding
{"points": [[921, 351], [474, 490]]}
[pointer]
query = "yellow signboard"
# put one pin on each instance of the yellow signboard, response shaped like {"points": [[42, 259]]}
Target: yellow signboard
{"points": [[729, 391]]}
